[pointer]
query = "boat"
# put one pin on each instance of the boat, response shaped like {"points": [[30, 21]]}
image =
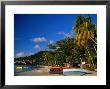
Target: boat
{"points": [[19, 67]]}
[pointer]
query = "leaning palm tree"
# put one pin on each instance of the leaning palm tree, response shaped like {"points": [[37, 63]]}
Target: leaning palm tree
{"points": [[85, 33]]}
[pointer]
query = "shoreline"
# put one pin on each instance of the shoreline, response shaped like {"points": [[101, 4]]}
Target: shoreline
{"points": [[44, 71]]}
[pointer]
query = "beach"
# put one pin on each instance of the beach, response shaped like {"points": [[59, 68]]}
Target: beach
{"points": [[44, 71]]}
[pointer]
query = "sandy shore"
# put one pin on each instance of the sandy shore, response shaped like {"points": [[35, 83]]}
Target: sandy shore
{"points": [[44, 71], [36, 72], [91, 74]]}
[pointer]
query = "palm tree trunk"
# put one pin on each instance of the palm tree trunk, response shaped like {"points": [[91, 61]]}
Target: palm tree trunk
{"points": [[93, 40], [95, 48], [94, 45], [89, 54], [81, 63], [55, 62]]}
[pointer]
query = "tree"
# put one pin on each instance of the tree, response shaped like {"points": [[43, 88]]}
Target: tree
{"points": [[85, 35]]}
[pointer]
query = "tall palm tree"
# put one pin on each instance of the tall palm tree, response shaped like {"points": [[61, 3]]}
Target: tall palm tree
{"points": [[85, 32]]}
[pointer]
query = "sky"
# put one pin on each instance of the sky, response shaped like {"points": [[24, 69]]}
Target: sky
{"points": [[33, 32]]}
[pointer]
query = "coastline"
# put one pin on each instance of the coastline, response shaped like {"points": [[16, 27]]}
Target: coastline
{"points": [[44, 71]]}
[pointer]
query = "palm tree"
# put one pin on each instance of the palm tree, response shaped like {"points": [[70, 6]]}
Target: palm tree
{"points": [[85, 33]]}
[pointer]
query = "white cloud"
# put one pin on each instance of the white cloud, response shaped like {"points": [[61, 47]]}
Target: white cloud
{"points": [[30, 54], [51, 41], [37, 47], [20, 54], [64, 34], [39, 39], [23, 54]]}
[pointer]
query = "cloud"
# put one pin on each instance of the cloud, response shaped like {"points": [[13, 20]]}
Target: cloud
{"points": [[39, 39], [23, 54], [64, 34], [37, 47], [30, 54], [51, 41], [20, 54]]}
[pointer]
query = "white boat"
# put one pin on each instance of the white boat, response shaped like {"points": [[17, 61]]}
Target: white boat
{"points": [[75, 71]]}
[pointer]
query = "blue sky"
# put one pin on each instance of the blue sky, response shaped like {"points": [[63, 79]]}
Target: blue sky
{"points": [[32, 32]]}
